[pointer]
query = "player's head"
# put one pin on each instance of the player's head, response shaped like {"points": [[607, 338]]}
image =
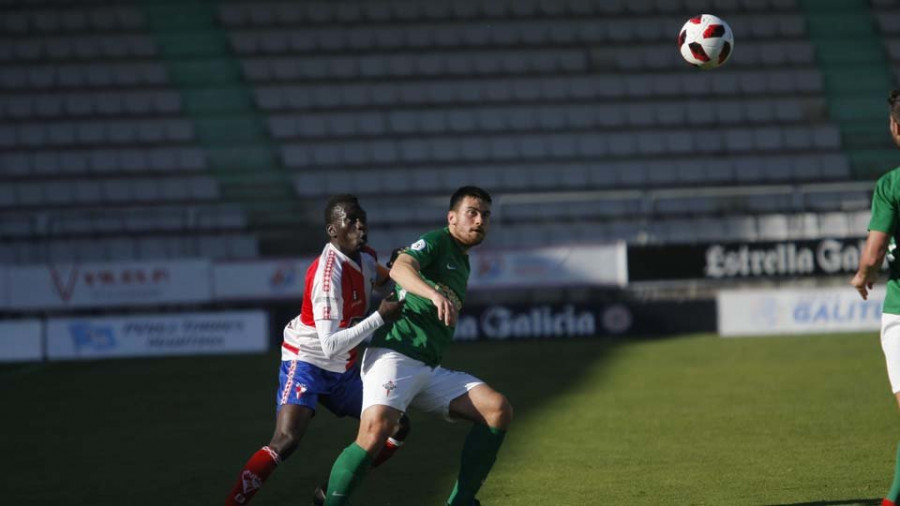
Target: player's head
{"points": [[345, 223], [894, 102], [469, 217]]}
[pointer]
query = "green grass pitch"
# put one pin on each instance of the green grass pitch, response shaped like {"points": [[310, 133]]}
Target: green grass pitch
{"points": [[686, 420]]}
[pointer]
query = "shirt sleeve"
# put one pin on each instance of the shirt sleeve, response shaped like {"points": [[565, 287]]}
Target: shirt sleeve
{"points": [[327, 300], [424, 250], [334, 341], [884, 206]]}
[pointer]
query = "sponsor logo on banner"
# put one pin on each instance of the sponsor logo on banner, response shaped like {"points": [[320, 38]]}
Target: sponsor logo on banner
{"points": [[109, 278], [744, 260], [617, 318], [85, 335], [155, 335], [263, 279], [544, 321], [109, 284], [591, 318], [283, 277], [785, 259], [489, 266], [769, 312], [64, 287]]}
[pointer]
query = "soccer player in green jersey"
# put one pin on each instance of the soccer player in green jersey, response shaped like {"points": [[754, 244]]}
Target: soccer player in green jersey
{"points": [[882, 230], [401, 368]]}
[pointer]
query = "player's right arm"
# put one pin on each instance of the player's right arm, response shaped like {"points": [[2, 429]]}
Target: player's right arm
{"points": [[870, 262], [405, 272], [881, 227]]}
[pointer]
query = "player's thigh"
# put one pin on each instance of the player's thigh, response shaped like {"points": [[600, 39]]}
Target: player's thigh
{"points": [[391, 379], [890, 344], [484, 405], [445, 385], [345, 396]]}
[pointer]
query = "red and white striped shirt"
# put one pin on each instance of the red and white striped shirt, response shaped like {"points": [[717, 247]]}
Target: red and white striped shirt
{"points": [[337, 289]]}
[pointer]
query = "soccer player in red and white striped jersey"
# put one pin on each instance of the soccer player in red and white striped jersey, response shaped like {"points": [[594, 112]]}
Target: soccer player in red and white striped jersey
{"points": [[319, 349]]}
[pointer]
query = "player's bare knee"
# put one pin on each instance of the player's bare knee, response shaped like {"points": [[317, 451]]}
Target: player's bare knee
{"points": [[373, 432], [284, 443], [499, 412]]}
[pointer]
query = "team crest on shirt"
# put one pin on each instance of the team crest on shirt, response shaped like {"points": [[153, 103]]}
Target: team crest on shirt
{"points": [[299, 390], [418, 245], [389, 387]]}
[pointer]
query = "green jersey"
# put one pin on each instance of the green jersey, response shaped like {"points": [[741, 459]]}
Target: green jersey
{"points": [[418, 333], [885, 206]]}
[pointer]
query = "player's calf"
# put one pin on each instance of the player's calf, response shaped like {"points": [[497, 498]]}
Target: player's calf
{"points": [[252, 476], [394, 442], [390, 447], [284, 442]]}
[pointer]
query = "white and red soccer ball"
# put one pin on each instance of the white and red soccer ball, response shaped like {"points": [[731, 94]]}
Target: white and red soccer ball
{"points": [[706, 41]]}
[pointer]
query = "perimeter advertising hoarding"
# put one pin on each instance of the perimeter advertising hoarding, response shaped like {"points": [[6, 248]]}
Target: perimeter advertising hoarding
{"points": [[263, 279], [798, 311], [157, 335], [109, 284], [21, 341], [571, 320], [603, 265], [744, 260]]}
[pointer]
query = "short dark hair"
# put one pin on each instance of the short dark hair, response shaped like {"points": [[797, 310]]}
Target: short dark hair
{"points": [[894, 102], [336, 201], [469, 191]]}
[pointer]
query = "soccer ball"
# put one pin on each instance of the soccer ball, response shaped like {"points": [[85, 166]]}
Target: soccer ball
{"points": [[706, 41]]}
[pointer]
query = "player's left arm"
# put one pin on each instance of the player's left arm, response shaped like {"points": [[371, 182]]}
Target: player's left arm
{"points": [[336, 340], [870, 262]]}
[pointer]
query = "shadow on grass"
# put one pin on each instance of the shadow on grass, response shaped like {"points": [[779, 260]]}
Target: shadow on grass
{"points": [[124, 430], [528, 373]]}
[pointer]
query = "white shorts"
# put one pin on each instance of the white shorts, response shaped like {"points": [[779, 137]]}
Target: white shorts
{"points": [[890, 343], [390, 378]]}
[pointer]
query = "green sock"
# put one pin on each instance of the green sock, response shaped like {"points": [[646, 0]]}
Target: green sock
{"points": [[478, 456], [895, 487], [347, 472]]}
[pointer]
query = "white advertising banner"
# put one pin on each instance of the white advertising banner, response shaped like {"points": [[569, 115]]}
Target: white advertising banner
{"points": [[553, 266], [109, 284], [797, 311], [157, 335], [21, 341], [272, 279]]}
